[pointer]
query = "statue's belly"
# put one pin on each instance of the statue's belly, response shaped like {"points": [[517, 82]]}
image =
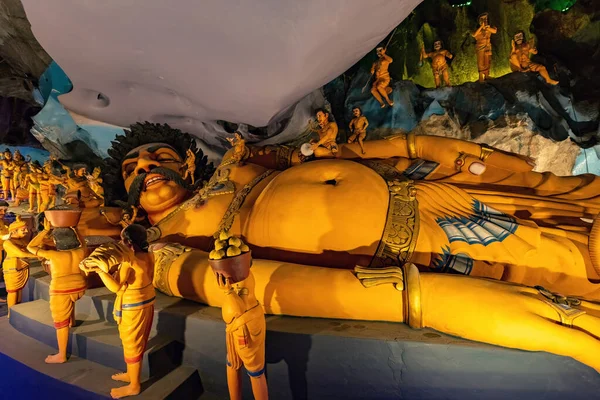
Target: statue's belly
{"points": [[320, 206]]}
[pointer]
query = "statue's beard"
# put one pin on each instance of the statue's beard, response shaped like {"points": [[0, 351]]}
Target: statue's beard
{"points": [[137, 186]]}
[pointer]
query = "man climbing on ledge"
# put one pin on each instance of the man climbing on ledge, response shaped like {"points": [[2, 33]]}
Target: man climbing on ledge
{"points": [[67, 284], [381, 86]]}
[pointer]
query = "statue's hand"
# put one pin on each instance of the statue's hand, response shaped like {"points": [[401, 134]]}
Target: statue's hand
{"points": [[223, 282]]}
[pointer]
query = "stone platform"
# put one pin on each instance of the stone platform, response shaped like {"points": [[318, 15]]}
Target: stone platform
{"points": [[307, 358]]}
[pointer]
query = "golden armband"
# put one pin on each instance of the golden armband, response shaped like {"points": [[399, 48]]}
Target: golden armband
{"points": [[411, 145], [413, 315]]}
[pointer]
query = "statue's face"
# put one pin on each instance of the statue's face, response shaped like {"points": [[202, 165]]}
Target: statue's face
{"points": [[519, 38], [483, 20], [153, 169], [380, 51], [2, 212], [322, 117], [81, 172], [47, 168], [7, 155], [437, 45], [18, 156], [356, 112], [20, 233]]}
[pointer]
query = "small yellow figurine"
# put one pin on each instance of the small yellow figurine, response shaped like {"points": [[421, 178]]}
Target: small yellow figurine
{"points": [[239, 148], [20, 171], [79, 192], [189, 167], [358, 128], [134, 306], [326, 146], [95, 184], [438, 63], [128, 217], [32, 183], [8, 167], [47, 192], [68, 283], [381, 86], [519, 58], [483, 46], [15, 268], [243, 315]]}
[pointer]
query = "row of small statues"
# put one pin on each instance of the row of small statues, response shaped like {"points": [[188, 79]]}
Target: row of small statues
{"points": [[519, 60], [23, 179], [126, 268]]}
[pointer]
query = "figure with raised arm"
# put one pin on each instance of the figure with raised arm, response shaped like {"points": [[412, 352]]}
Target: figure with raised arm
{"points": [[240, 151], [95, 182], [358, 128], [438, 63], [381, 87], [483, 46], [134, 305], [326, 145], [189, 166], [521, 50], [67, 284], [32, 183], [79, 193]]}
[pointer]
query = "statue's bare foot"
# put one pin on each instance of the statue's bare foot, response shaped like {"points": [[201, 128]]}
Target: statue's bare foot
{"points": [[391, 103], [364, 152], [56, 359], [125, 391], [121, 377], [553, 82], [382, 105]]}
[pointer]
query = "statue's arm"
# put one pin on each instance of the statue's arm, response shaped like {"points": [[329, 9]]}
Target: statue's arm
{"points": [[34, 246], [388, 59], [448, 54], [492, 29], [16, 251], [111, 283]]}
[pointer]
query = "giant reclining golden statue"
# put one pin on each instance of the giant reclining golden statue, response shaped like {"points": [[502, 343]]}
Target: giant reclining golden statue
{"points": [[429, 231]]}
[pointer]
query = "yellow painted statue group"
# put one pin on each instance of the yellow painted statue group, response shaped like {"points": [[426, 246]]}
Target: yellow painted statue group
{"points": [[451, 235], [519, 58]]}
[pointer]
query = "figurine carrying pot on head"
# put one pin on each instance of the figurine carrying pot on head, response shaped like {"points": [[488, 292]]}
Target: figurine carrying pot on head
{"points": [[67, 284]]}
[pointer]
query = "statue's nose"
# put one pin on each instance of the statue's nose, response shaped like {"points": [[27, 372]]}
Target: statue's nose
{"points": [[145, 165]]}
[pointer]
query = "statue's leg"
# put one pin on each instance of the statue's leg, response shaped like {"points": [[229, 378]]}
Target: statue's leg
{"points": [[259, 387], [11, 300], [437, 80], [544, 73], [446, 78], [134, 371], [234, 381], [382, 87], [361, 139], [375, 93], [526, 320], [61, 308], [31, 198]]}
